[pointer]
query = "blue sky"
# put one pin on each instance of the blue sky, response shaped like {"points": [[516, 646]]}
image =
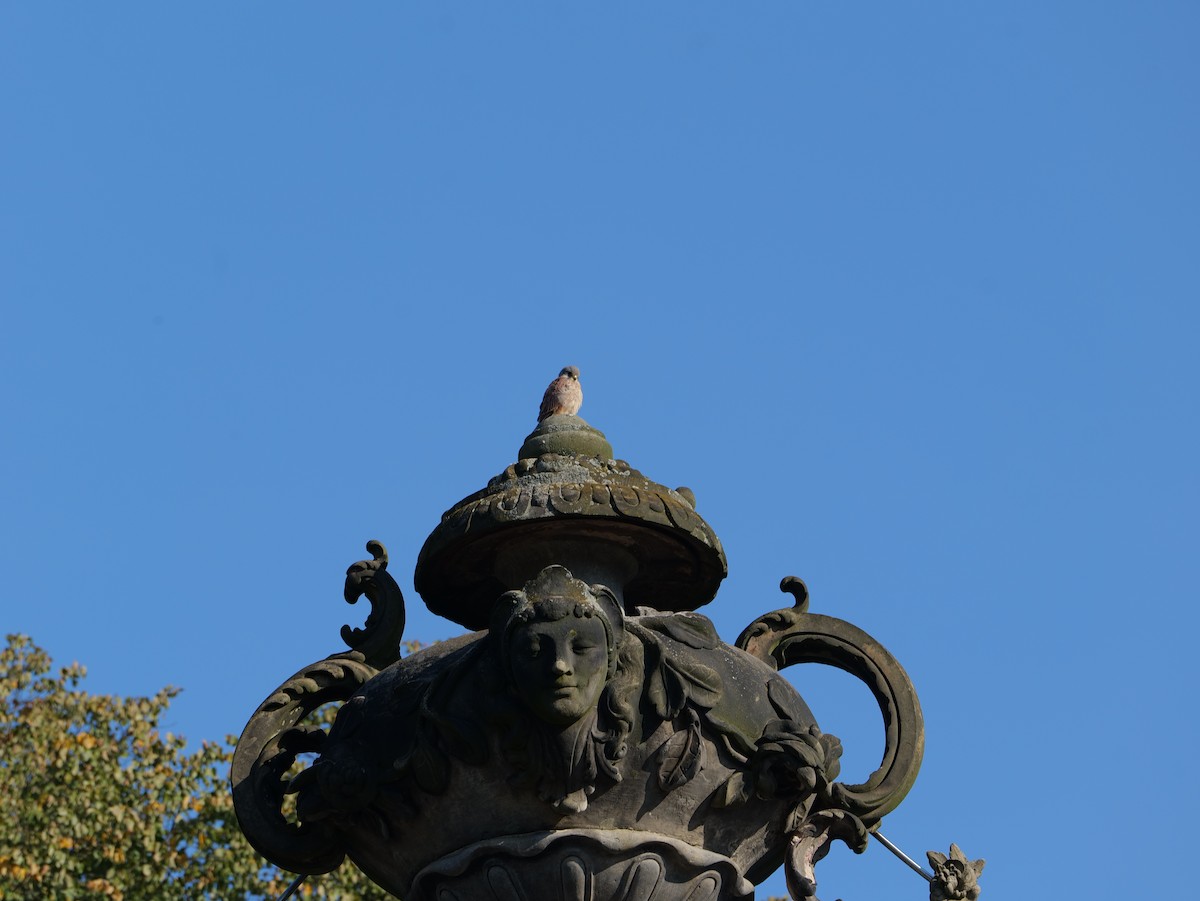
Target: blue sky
{"points": [[907, 293]]}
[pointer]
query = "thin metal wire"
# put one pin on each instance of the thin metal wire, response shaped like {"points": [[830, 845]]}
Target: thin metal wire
{"points": [[904, 857], [291, 889]]}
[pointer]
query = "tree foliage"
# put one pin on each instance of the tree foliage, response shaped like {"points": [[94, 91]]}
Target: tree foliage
{"points": [[98, 803]]}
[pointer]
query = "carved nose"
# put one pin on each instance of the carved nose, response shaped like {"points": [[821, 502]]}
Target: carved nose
{"points": [[561, 666]]}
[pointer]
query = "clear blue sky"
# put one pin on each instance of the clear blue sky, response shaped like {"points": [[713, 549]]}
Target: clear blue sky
{"points": [[907, 293]]}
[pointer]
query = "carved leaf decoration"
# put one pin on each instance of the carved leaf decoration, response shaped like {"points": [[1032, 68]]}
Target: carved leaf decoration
{"points": [[736, 790], [462, 736], [402, 759], [691, 629], [406, 700], [805, 748], [582, 763], [349, 719], [681, 756], [665, 697], [739, 743], [429, 767], [463, 739], [602, 763], [799, 814], [703, 682], [672, 681], [833, 752], [779, 698]]}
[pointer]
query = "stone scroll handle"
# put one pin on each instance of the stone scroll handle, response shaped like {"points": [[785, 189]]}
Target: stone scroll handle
{"points": [[379, 638], [793, 635], [277, 733]]}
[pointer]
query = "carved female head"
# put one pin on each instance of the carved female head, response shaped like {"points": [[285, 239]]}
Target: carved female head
{"points": [[558, 643]]}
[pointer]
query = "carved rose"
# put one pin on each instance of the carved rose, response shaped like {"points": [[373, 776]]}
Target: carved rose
{"points": [[795, 761], [790, 761]]}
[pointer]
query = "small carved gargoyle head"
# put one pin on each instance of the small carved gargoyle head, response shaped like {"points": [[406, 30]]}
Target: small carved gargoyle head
{"points": [[955, 877], [558, 644]]}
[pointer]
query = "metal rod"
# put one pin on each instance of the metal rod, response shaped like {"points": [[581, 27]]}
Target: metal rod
{"points": [[904, 857], [291, 889]]}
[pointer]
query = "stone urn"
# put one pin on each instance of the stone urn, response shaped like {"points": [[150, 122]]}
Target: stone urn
{"points": [[590, 737]]}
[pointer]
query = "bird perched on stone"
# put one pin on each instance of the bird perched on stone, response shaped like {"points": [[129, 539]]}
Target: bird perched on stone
{"points": [[565, 395]]}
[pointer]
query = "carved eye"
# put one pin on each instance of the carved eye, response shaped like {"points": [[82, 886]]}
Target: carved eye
{"points": [[580, 647], [533, 648]]}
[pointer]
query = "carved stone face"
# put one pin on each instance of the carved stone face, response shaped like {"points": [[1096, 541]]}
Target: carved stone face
{"points": [[559, 668]]}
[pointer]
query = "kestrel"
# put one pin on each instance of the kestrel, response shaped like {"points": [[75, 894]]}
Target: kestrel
{"points": [[565, 395]]}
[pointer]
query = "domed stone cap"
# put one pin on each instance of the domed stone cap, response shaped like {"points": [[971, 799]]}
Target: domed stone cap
{"points": [[568, 435], [567, 501]]}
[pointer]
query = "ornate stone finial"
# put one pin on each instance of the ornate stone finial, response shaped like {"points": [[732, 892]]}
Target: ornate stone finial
{"points": [[564, 395], [954, 878]]}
